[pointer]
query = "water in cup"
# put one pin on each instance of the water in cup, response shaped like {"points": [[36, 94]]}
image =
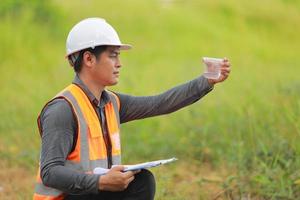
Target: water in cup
{"points": [[212, 67]]}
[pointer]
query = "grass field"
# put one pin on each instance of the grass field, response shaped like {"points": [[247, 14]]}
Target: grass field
{"points": [[239, 142]]}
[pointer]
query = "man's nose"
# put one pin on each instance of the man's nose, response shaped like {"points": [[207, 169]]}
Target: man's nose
{"points": [[118, 64]]}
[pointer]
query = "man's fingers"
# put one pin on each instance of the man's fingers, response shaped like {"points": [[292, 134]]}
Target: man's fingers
{"points": [[226, 64], [118, 168], [129, 177], [129, 180], [128, 174], [226, 74], [225, 70], [136, 171]]}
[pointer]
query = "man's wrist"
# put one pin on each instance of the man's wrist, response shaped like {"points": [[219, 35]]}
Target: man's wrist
{"points": [[211, 82], [101, 183]]}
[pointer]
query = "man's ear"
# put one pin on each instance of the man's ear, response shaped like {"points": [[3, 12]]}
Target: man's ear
{"points": [[88, 59]]}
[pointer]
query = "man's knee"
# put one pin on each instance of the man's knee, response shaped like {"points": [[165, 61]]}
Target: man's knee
{"points": [[146, 177], [143, 185]]}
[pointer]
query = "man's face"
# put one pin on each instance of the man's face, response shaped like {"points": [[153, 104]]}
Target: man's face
{"points": [[106, 69]]}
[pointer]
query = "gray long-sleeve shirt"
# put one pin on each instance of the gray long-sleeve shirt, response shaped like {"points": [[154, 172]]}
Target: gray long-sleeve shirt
{"points": [[59, 129]]}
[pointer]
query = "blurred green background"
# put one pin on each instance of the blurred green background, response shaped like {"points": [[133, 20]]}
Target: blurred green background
{"points": [[240, 141]]}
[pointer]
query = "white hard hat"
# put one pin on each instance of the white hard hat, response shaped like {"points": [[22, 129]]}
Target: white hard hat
{"points": [[92, 32]]}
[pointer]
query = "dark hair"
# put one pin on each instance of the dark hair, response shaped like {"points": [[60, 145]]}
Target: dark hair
{"points": [[95, 51]]}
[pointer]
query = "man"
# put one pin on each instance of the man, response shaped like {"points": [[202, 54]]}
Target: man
{"points": [[79, 127]]}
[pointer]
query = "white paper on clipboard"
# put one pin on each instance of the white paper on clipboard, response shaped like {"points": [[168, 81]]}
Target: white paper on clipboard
{"points": [[146, 165]]}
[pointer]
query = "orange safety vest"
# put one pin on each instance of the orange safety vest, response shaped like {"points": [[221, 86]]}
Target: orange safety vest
{"points": [[90, 150]]}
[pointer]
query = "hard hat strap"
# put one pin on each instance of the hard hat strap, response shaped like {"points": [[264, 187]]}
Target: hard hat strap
{"points": [[73, 57]]}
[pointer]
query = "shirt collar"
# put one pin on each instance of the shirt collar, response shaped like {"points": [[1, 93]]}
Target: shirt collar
{"points": [[104, 99]]}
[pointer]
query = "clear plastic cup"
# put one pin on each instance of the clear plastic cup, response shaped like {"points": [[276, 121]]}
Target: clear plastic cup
{"points": [[212, 67]]}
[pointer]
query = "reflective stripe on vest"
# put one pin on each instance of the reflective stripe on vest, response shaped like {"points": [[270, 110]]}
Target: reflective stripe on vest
{"points": [[90, 149]]}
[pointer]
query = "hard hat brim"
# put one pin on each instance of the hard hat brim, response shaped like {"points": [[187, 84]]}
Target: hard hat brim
{"points": [[122, 47], [125, 47]]}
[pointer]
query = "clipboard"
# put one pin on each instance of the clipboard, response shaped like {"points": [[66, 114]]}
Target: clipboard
{"points": [[145, 165]]}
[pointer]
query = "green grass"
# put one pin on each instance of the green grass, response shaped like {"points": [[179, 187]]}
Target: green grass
{"points": [[246, 130]]}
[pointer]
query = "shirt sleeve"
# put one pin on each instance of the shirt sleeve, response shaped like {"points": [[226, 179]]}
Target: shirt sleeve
{"points": [[138, 107], [59, 126]]}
